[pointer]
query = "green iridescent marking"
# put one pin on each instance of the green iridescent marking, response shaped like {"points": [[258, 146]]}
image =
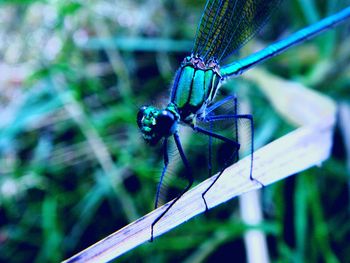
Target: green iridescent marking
{"points": [[183, 88], [198, 91], [173, 109], [149, 120], [216, 81], [208, 82]]}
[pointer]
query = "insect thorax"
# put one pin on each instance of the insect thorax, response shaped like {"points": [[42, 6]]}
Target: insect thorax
{"points": [[195, 86]]}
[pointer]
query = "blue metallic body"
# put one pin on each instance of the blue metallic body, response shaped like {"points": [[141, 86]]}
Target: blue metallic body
{"points": [[226, 25]]}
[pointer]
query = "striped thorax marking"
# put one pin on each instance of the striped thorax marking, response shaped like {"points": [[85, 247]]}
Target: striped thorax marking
{"points": [[195, 86]]}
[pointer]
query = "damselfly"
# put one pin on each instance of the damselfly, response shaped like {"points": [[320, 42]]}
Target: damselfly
{"points": [[225, 26]]}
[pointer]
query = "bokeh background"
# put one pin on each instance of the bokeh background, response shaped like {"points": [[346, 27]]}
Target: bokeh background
{"points": [[74, 168]]}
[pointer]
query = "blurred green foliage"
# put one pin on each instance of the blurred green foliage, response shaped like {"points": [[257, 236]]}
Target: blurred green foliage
{"points": [[74, 168]]}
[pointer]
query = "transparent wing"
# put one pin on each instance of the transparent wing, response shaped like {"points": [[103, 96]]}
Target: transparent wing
{"points": [[226, 25], [174, 179]]}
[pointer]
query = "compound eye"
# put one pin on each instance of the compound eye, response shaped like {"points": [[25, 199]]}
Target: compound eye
{"points": [[140, 115], [165, 122], [166, 117]]}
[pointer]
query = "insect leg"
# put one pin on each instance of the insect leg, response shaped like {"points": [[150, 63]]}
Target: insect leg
{"points": [[210, 112], [220, 103], [166, 162], [210, 151], [222, 138], [188, 175], [237, 117]]}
